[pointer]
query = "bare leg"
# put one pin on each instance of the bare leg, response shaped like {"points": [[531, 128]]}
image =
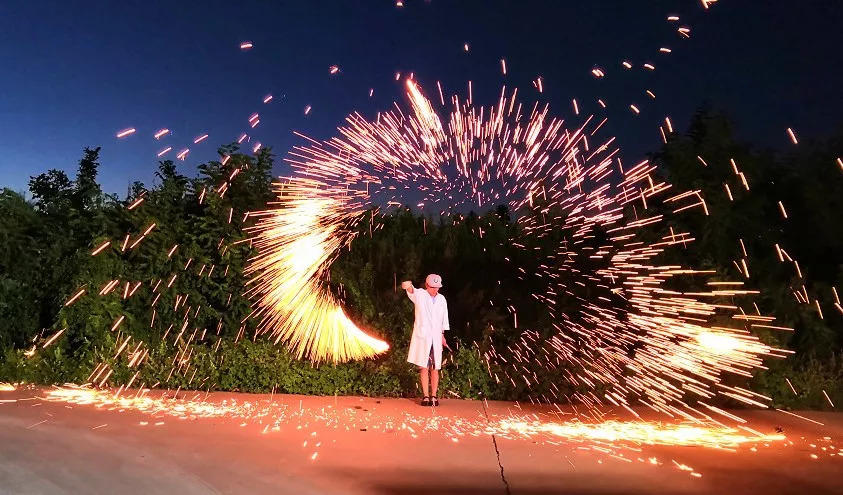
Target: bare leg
{"points": [[434, 381], [424, 380]]}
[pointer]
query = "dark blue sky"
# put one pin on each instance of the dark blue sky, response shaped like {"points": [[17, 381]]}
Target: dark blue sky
{"points": [[74, 73]]}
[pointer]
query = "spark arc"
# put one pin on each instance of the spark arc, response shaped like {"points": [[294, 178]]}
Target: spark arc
{"points": [[635, 335]]}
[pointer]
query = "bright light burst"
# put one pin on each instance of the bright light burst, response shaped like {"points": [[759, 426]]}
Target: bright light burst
{"points": [[633, 332], [297, 242], [638, 432]]}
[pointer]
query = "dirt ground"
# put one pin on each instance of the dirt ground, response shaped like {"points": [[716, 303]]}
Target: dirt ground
{"points": [[57, 441]]}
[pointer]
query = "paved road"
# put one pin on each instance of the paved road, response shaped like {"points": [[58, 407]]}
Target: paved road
{"points": [[255, 444]]}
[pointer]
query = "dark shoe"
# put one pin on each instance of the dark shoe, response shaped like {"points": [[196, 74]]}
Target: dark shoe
{"points": [[434, 402], [426, 401]]}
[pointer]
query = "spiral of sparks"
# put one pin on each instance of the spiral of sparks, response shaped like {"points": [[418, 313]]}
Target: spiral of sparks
{"points": [[637, 338]]}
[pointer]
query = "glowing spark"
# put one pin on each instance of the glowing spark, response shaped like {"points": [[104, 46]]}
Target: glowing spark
{"points": [[126, 132], [649, 66], [135, 203], [75, 297], [503, 66], [635, 109], [597, 72], [673, 18], [165, 151], [183, 154], [267, 98], [665, 50], [200, 139], [53, 338], [307, 110], [161, 133], [100, 248], [465, 46], [117, 323], [626, 64], [792, 135], [333, 69], [246, 45]]}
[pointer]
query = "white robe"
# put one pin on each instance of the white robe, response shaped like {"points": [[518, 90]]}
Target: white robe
{"points": [[431, 320]]}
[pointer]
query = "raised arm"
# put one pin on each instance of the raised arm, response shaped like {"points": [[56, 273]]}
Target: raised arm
{"points": [[411, 291]]}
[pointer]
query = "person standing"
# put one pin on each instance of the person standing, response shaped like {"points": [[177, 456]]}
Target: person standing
{"points": [[431, 321]]}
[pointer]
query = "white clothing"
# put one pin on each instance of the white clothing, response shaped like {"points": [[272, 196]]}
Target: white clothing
{"points": [[431, 321]]}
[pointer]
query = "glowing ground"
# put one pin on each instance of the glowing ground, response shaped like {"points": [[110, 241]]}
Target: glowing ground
{"points": [[81, 441]]}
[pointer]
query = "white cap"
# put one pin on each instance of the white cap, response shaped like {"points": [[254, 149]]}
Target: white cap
{"points": [[433, 280]]}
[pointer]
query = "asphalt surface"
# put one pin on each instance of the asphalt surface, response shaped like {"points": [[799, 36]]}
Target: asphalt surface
{"points": [[255, 444]]}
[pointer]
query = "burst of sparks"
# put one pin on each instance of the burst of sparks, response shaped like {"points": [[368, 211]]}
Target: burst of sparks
{"points": [[612, 435], [484, 156], [640, 432], [297, 243], [419, 149]]}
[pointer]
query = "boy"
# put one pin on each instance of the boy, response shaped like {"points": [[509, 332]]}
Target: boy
{"points": [[431, 320]]}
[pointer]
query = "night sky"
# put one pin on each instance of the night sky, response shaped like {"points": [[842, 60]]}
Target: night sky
{"points": [[75, 73]]}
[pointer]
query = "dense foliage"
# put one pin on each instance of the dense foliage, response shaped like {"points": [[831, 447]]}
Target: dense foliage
{"points": [[46, 244]]}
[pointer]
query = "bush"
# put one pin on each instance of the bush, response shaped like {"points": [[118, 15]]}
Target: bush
{"points": [[260, 367]]}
